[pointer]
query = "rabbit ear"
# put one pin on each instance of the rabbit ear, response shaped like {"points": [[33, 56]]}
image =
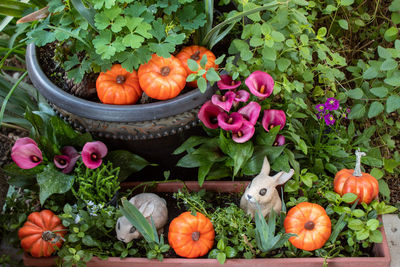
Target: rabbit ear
{"points": [[147, 209], [265, 167], [283, 177]]}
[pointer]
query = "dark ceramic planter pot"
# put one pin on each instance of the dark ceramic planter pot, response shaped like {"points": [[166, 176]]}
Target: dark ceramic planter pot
{"points": [[381, 250], [155, 128]]}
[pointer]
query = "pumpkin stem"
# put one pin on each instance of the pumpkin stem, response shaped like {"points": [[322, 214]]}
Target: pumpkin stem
{"points": [[309, 225], [196, 236], [165, 71], [48, 235], [196, 55], [120, 79], [357, 169]]}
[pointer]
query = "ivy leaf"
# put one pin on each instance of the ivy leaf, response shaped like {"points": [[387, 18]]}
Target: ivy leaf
{"points": [[189, 20], [133, 40], [143, 29], [102, 44], [163, 49], [135, 10], [42, 37], [158, 30], [133, 22], [52, 181], [118, 24], [98, 4]]}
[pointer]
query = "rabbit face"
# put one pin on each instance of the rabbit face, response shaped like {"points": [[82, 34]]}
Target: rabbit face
{"points": [[260, 190], [126, 232]]}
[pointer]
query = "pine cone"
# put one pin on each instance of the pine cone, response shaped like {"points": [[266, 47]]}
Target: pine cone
{"points": [[85, 89]]}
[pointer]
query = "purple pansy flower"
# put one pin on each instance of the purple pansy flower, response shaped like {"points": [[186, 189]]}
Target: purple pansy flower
{"points": [[226, 83], [67, 160], [241, 96], [260, 83], [244, 133], [329, 119], [280, 140], [272, 118], [26, 153], [93, 153], [208, 114], [225, 102], [230, 122], [251, 112], [332, 104]]}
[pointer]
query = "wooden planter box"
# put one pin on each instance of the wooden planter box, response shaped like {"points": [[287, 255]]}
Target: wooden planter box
{"points": [[381, 250]]}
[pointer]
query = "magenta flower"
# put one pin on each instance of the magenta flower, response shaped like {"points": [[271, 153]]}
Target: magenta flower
{"points": [[320, 107], [280, 140], [241, 96], [93, 153], [251, 112], [272, 118], [244, 133], [226, 83], [208, 114], [329, 119], [67, 160], [260, 83], [26, 153], [231, 122], [225, 102], [332, 104]]}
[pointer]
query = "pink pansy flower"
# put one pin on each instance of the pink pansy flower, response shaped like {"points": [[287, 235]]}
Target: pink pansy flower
{"points": [[272, 118], [280, 140], [225, 102], [244, 133], [208, 114], [26, 153], [260, 83], [231, 122], [226, 83], [93, 153], [67, 160], [241, 96], [251, 112]]}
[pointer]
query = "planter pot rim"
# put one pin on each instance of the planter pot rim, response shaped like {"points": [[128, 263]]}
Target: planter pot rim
{"points": [[105, 112]]}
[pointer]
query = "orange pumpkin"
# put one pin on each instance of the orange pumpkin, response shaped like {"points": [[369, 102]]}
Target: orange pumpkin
{"points": [[311, 224], [364, 185], [191, 236], [41, 233], [196, 53], [117, 86], [162, 78]]}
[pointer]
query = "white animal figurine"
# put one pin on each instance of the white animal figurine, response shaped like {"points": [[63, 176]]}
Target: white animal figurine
{"points": [[151, 206], [262, 190]]}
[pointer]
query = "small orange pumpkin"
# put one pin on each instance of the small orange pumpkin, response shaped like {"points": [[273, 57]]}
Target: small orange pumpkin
{"points": [[311, 224], [41, 233], [196, 53], [162, 78], [117, 86], [364, 185], [191, 236]]}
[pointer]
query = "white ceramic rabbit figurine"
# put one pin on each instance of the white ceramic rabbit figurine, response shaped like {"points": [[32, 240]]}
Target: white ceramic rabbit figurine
{"points": [[262, 189], [151, 206]]}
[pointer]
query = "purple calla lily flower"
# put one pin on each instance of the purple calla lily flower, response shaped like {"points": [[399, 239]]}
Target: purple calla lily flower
{"points": [[260, 83], [272, 118], [26, 153], [208, 114], [93, 153], [226, 83], [280, 140], [244, 133], [67, 160], [332, 104], [241, 96], [225, 102], [231, 122], [251, 112]]}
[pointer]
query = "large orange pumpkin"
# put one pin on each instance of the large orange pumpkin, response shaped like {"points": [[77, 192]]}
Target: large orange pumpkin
{"points": [[364, 185], [162, 78], [41, 233], [191, 236], [196, 53], [118, 86], [311, 224]]}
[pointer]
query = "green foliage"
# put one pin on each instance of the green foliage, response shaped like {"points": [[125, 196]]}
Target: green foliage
{"points": [[127, 162]]}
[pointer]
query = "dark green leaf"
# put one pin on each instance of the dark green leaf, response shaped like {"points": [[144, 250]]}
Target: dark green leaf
{"points": [[127, 162]]}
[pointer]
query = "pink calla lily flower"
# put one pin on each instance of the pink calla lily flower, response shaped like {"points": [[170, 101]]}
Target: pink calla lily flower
{"points": [[244, 133], [260, 83], [251, 112], [272, 118], [226, 83], [225, 102], [280, 140], [231, 122], [67, 160], [208, 114], [93, 153], [241, 96], [26, 153]]}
